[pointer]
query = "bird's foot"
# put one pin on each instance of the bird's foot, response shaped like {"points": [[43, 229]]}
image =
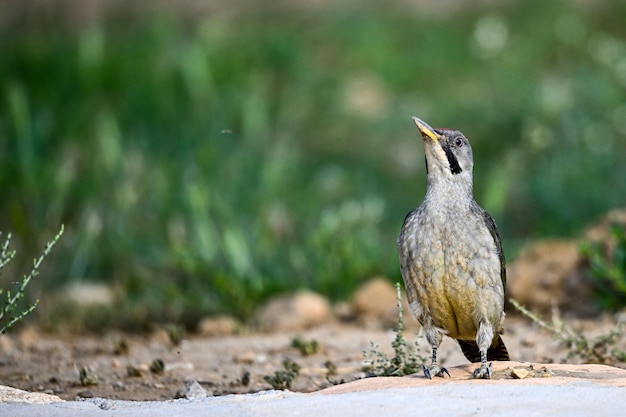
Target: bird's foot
{"points": [[435, 370], [484, 372]]}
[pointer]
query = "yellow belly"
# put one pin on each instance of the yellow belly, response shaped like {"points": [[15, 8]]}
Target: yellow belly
{"points": [[453, 311]]}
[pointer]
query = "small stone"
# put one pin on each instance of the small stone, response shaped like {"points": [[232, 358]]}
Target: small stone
{"points": [[343, 311], [218, 326], [519, 373], [85, 394], [9, 394], [245, 358], [119, 386], [375, 299], [544, 372], [245, 378], [293, 312], [191, 391]]}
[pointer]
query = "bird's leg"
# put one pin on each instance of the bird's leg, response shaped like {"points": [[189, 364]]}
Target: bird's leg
{"points": [[483, 340], [434, 336], [484, 371], [434, 369]]}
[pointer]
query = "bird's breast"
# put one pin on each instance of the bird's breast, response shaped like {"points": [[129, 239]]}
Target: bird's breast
{"points": [[457, 273]]}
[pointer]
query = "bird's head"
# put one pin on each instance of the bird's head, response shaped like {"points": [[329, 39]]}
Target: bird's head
{"points": [[448, 154]]}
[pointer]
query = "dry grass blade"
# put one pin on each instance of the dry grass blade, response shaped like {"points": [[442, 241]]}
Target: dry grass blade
{"points": [[600, 349]]}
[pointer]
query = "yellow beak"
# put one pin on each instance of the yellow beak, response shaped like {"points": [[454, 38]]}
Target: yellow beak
{"points": [[425, 129]]}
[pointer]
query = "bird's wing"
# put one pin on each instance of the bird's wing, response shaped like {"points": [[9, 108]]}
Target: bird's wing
{"points": [[491, 226], [405, 253]]}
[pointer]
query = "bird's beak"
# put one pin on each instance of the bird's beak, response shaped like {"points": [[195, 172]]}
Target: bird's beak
{"points": [[425, 129]]}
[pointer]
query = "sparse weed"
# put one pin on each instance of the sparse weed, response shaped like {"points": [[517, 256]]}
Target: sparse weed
{"points": [[305, 347], [406, 360], [282, 379], [175, 333], [8, 315], [600, 349], [87, 377], [157, 366]]}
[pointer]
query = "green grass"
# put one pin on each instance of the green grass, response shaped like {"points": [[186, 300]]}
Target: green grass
{"points": [[203, 164], [606, 262]]}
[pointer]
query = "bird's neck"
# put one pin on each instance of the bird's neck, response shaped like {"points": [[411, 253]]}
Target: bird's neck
{"points": [[454, 189]]}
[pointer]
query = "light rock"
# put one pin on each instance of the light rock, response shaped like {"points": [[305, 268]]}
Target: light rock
{"points": [[519, 373], [297, 311], [217, 326], [375, 301], [376, 297], [9, 394], [192, 391], [548, 274]]}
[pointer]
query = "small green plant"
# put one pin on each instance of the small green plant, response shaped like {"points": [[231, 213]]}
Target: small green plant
{"points": [[305, 347], [600, 349], [8, 315], [607, 267], [331, 368], [121, 347], [133, 371], [406, 361], [282, 379], [157, 366], [87, 377], [175, 333]]}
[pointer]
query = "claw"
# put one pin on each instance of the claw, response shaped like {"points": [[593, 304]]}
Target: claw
{"points": [[436, 371], [484, 372]]}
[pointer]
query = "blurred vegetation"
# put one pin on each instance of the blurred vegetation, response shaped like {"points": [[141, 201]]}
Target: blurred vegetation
{"points": [[11, 310], [202, 163], [607, 268]]}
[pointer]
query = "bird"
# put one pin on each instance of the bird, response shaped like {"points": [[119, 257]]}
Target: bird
{"points": [[451, 257]]}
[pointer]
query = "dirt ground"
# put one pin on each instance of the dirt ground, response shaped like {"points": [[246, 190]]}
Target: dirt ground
{"points": [[118, 366]]}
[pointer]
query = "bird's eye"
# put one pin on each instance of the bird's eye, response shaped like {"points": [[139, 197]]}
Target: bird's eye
{"points": [[458, 142]]}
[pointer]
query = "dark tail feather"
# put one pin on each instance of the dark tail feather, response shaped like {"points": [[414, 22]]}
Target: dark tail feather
{"points": [[497, 351], [470, 350]]}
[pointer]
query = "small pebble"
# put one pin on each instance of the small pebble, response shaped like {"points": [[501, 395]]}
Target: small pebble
{"points": [[519, 373], [191, 391], [85, 394]]}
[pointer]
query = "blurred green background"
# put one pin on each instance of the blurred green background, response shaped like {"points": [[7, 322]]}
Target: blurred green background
{"points": [[206, 156]]}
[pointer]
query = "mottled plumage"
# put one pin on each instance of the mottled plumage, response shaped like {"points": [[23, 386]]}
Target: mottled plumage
{"points": [[451, 256]]}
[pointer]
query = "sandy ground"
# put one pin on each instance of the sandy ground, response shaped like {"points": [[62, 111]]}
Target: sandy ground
{"points": [[549, 389], [226, 365]]}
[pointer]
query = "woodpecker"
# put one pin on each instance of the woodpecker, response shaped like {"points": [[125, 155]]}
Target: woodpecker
{"points": [[451, 257]]}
